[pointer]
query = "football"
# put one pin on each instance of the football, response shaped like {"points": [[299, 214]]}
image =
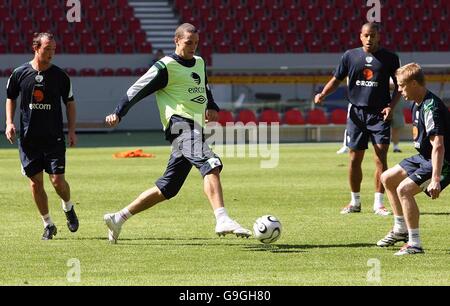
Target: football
{"points": [[267, 229]]}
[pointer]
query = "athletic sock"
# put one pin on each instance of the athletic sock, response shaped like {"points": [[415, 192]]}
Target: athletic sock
{"points": [[378, 201], [399, 224], [356, 199], [414, 238], [67, 206], [221, 214], [121, 216], [47, 220]]}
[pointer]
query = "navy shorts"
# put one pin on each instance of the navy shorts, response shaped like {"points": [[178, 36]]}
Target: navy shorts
{"points": [[363, 124], [188, 149], [48, 158], [420, 170]]}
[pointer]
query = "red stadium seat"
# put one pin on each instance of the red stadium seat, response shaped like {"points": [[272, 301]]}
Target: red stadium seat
{"points": [[88, 72], [145, 47], [408, 115], [294, 117], [224, 117], [85, 37], [110, 13], [126, 48], [317, 116], [22, 12], [124, 72], [106, 72], [140, 71], [246, 116], [73, 48], [18, 47], [338, 116], [269, 116], [122, 37], [134, 25], [9, 25], [140, 37], [109, 48], [90, 48], [71, 71]]}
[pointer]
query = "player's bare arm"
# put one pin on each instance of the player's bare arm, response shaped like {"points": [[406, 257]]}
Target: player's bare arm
{"points": [[212, 115], [437, 160], [71, 122], [388, 111], [331, 86], [10, 131]]}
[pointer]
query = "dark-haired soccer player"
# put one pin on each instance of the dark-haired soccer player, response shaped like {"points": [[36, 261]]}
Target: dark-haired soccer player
{"points": [[369, 69], [184, 101], [42, 87], [428, 171]]}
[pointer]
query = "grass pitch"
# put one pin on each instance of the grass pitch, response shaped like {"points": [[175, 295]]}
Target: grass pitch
{"points": [[174, 242]]}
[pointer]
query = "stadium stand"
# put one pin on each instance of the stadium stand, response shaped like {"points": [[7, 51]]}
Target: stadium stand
{"points": [[277, 26], [245, 116], [294, 117], [107, 28], [317, 117], [338, 116], [251, 27], [225, 116], [269, 116], [408, 116]]}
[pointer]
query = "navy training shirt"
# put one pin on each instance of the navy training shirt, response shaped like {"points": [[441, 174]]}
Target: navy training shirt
{"points": [[430, 118], [369, 75], [41, 119]]}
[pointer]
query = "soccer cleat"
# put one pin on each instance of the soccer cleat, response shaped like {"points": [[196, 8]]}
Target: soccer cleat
{"points": [[382, 211], [72, 220], [232, 227], [113, 228], [409, 250], [397, 151], [342, 150], [392, 238], [351, 209], [49, 232]]}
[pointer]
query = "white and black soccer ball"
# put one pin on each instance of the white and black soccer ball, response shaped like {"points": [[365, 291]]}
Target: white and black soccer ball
{"points": [[267, 229]]}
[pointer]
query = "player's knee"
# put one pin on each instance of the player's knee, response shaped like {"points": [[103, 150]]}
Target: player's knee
{"points": [[356, 159], [37, 186], [386, 178], [403, 189], [215, 171], [58, 181]]}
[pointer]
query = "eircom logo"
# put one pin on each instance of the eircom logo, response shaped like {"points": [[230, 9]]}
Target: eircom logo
{"points": [[40, 106], [367, 83]]}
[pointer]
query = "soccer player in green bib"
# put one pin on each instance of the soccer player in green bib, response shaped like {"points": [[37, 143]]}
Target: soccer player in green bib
{"points": [[185, 102]]}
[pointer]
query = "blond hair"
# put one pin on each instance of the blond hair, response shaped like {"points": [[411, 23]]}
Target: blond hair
{"points": [[411, 71], [185, 27]]}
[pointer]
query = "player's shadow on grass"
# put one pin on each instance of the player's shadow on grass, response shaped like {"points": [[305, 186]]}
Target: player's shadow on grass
{"points": [[435, 213], [125, 240], [300, 248]]}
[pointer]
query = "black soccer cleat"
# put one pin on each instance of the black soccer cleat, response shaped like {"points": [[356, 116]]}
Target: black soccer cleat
{"points": [[49, 232], [72, 220]]}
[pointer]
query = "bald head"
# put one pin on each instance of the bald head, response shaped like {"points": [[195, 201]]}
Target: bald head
{"points": [[371, 26], [370, 37]]}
